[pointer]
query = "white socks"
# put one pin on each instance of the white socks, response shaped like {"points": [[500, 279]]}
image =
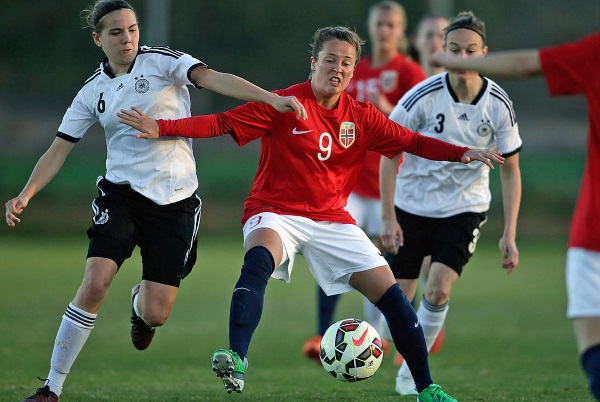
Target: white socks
{"points": [[135, 302], [432, 320], [72, 334]]}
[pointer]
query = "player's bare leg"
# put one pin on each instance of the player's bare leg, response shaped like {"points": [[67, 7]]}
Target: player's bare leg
{"points": [[151, 305], [76, 325]]}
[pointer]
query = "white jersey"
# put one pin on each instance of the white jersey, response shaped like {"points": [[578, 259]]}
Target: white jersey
{"points": [[163, 170], [441, 189]]}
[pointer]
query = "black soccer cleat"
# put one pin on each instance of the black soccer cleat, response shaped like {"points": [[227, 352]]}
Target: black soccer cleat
{"points": [[141, 333]]}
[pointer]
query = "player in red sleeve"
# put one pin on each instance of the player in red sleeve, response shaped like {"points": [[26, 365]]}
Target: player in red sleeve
{"points": [[306, 171], [569, 69], [380, 78]]}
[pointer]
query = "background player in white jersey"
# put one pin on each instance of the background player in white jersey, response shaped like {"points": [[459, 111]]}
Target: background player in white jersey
{"points": [[297, 201], [380, 78], [569, 69], [428, 39], [147, 186], [437, 208]]}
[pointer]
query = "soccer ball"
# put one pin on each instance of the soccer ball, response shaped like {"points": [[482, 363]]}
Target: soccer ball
{"points": [[351, 350]]}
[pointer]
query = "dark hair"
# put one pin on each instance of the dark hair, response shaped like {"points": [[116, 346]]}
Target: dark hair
{"points": [[467, 20], [91, 16], [344, 34]]}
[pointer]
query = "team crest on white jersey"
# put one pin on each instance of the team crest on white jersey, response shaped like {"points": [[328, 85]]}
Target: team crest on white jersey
{"points": [[484, 129], [347, 134], [141, 84], [388, 80]]}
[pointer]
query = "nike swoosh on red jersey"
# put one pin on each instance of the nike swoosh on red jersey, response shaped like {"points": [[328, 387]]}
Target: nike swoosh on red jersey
{"points": [[295, 131], [359, 341]]}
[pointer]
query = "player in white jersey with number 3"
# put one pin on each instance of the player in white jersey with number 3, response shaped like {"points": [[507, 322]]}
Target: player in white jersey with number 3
{"points": [[147, 197], [569, 68], [437, 208]]}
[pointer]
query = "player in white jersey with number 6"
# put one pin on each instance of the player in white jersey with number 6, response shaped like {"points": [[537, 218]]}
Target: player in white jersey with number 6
{"points": [[148, 194], [437, 208]]}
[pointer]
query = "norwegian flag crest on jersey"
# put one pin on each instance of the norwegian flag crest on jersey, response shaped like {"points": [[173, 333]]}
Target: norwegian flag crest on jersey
{"points": [[347, 134]]}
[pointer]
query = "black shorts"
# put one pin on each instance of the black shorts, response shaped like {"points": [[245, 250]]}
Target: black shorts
{"points": [[166, 234], [450, 241]]}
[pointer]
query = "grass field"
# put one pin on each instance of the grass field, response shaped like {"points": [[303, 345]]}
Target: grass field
{"points": [[507, 336]]}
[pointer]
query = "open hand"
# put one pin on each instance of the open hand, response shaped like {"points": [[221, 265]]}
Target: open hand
{"points": [[290, 104], [147, 126], [484, 156]]}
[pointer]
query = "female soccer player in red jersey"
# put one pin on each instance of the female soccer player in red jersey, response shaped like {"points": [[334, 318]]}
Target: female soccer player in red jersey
{"points": [[296, 205], [380, 78], [569, 69]]}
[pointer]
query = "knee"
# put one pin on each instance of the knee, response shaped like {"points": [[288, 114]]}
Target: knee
{"points": [[436, 296], [155, 310], [259, 261], [155, 318], [92, 293]]}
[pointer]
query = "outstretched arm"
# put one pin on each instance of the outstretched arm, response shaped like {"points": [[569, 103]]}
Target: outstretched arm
{"points": [[506, 64], [487, 157], [147, 126], [237, 87], [203, 126], [46, 168]]}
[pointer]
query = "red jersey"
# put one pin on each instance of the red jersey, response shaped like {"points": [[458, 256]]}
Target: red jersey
{"points": [[308, 167], [393, 80], [572, 69]]}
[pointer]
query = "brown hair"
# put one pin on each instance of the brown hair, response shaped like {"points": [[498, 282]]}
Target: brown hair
{"points": [[466, 20], [92, 16], [344, 34]]}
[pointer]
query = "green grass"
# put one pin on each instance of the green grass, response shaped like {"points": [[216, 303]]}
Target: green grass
{"points": [[507, 336]]}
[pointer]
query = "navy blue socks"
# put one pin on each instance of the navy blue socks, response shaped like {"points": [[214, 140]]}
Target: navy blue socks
{"points": [[406, 333], [325, 310], [590, 360], [248, 298]]}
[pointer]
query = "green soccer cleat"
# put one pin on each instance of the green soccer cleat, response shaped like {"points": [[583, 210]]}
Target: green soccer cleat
{"points": [[230, 368], [434, 393]]}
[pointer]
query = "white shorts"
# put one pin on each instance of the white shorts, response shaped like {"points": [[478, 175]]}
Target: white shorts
{"points": [[583, 283], [366, 212], [333, 251]]}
